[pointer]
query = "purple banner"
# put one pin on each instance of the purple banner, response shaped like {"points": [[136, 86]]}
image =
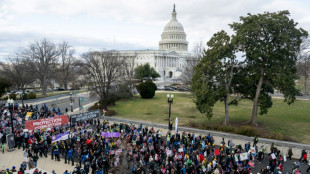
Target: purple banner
{"points": [[110, 134], [61, 136]]}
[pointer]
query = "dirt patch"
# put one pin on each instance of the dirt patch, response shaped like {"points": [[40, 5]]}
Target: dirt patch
{"points": [[148, 113], [192, 116]]}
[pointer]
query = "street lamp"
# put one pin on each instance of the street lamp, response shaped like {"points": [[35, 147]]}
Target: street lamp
{"points": [[22, 97], [11, 105], [71, 101], [170, 101], [104, 111]]}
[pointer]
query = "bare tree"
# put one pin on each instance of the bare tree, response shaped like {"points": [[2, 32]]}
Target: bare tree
{"points": [[65, 71], [41, 58], [17, 72], [128, 77], [198, 53], [103, 69], [303, 63]]}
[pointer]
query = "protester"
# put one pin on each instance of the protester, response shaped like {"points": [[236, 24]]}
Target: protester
{"points": [[101, 147]]}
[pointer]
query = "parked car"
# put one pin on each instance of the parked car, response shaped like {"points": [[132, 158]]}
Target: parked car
{"points": [[160, 88], [60, 89], [300, 93], [168, 88], [19, 92]]}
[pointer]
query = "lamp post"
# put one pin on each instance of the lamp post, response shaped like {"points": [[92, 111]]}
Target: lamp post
{"points": [[22, 97], [170, 101], [98, 104], [104, 111], [11, 105], [71, 102]]}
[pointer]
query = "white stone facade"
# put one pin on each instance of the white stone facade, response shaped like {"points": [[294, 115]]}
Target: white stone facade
{"points": [[171, 58]]}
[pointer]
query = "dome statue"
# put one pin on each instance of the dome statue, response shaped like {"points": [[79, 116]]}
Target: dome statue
{"points": [[173, 36]]}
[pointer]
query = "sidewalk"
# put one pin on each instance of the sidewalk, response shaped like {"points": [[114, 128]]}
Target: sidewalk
{"points": [[15, 158]]}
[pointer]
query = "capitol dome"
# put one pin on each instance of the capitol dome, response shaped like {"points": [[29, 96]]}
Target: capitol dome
{"points": [[173, 36]]}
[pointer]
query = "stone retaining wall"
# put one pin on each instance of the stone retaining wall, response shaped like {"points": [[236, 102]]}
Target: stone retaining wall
{"points": [[237, 139]]}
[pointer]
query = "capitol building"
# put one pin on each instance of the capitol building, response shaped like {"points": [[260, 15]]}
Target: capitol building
{"points": [[172, 57]]}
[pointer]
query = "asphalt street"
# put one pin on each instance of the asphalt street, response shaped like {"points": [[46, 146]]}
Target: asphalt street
{"points": [[61, 101], [65, 103]]}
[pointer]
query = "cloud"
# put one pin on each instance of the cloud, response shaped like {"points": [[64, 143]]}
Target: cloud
{"points": [[129, 24]]}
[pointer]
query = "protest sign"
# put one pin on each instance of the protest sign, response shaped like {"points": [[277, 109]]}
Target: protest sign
{"points": [[251, 163], [169, 152], [273, 156], [28, 115], [253, 150], [84, 116], [46, 123], [243, 156], [110, 134], [216, 152]]}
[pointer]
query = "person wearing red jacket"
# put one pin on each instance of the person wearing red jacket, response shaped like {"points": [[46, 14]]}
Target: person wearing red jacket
{"points": [[201, 157], [304, 157]]}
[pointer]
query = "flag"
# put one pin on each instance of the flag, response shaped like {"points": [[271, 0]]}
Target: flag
{"points": [[243, 156], [176, 125]]}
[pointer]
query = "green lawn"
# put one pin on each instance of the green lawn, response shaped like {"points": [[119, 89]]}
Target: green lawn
{"points": [[290, 121]]}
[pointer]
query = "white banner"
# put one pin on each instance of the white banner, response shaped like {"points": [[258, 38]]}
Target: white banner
{"points": [[243, 156]]}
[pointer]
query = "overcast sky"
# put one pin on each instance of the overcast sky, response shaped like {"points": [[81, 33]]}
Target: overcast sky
{"points": [[126, 24]]}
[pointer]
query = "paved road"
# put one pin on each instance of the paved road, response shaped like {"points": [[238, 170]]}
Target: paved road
{"points": [[65, 102], [61, 101]]}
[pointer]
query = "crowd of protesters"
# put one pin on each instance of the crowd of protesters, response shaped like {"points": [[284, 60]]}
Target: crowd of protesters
{"points": [[136, 149]]}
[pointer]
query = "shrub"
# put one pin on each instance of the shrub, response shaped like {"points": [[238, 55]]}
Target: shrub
{"points": [[247, 131], [226, 129], [276, 136], [147, 89], [12, 96], [110, 113], [32, 95]]}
